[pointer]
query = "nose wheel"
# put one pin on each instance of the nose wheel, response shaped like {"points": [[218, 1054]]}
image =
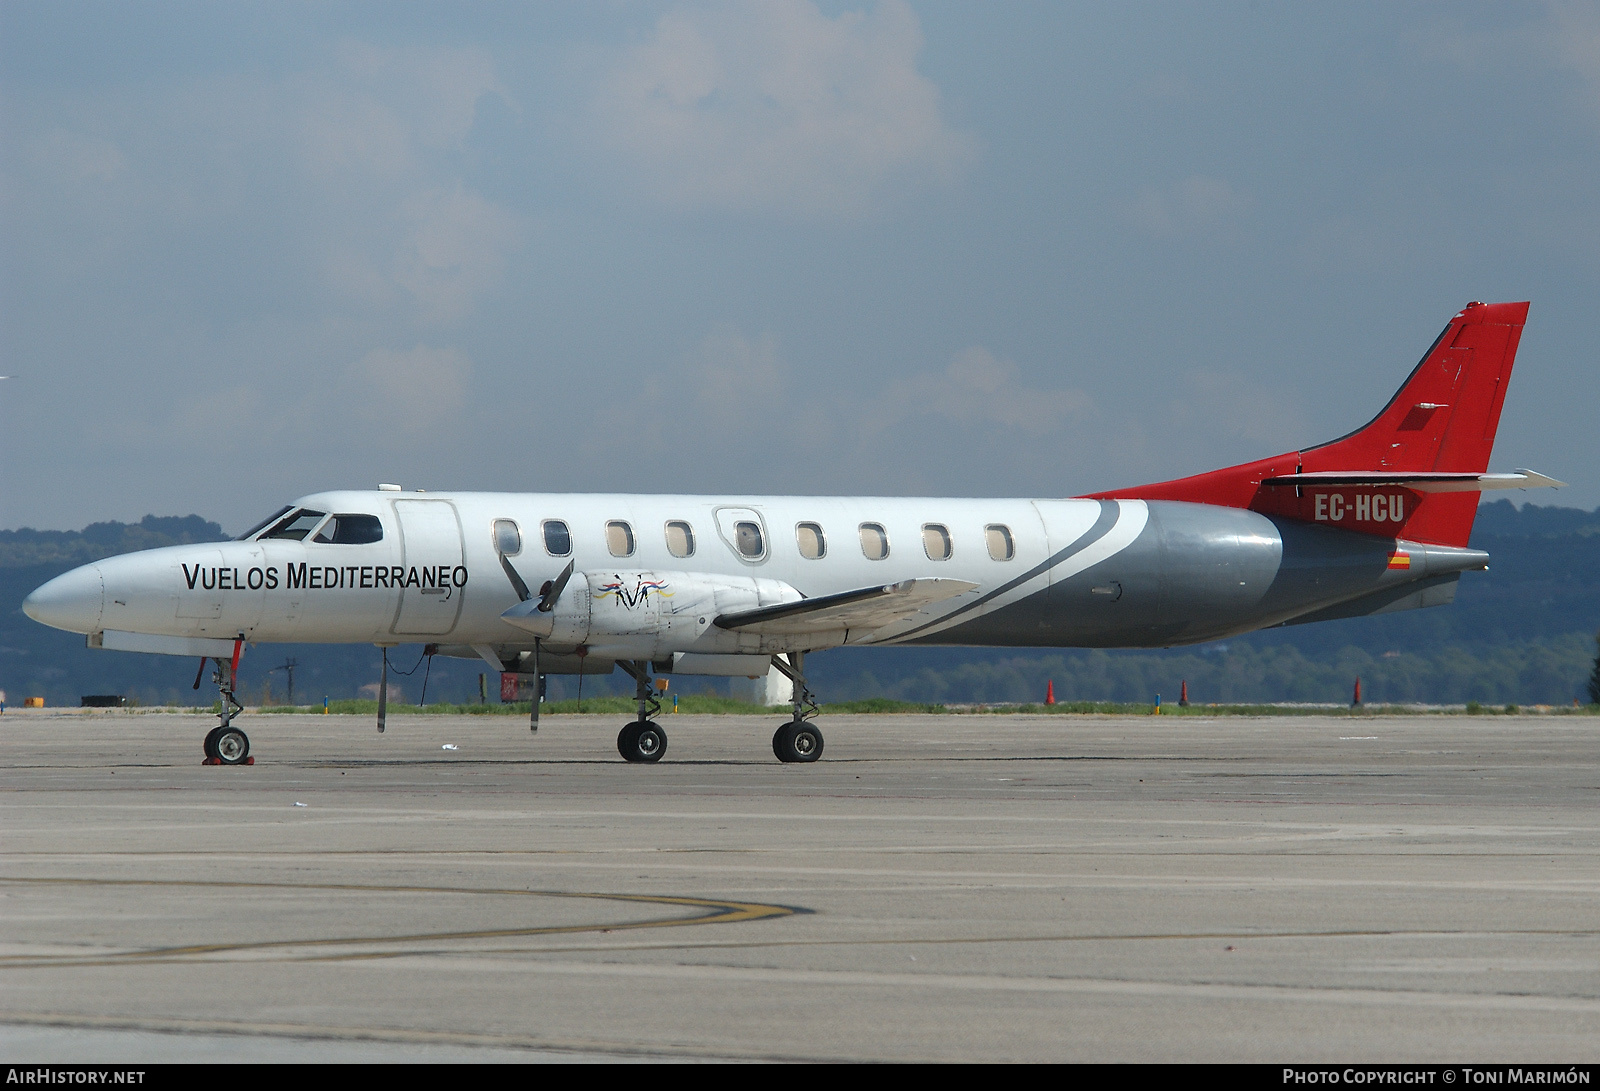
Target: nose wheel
{"points": [[226, 744]]}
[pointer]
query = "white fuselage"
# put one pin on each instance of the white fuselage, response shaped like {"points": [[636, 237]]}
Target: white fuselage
{"points": [[436, 575]]}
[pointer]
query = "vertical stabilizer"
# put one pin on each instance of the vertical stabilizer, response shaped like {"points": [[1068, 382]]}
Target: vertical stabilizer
{"points": [[1442, 421]]}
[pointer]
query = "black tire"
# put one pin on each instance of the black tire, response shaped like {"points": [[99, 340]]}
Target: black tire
{"points": [[232, 746], [642, 741], [797, 743], [650, 742], [210, 745]]}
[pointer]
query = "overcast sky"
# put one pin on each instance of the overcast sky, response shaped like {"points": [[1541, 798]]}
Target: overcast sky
{"points": [[252, 251]]}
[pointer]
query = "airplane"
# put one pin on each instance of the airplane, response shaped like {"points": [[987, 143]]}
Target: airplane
{"points": [[547, 583]]}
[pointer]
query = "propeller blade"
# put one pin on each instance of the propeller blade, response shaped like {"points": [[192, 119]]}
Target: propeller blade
{"points": [[383, 693], [517, 583], [548, 601]]}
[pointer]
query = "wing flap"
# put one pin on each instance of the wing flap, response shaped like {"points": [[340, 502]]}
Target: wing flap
{"points": [[865, 608]]}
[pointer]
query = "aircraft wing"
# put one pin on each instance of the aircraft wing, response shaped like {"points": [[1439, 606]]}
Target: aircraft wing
{"points": [[867, 608]]}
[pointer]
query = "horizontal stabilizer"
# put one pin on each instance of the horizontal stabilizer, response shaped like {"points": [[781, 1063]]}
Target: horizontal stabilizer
{"points": [[867, 608], [1423, 482]]}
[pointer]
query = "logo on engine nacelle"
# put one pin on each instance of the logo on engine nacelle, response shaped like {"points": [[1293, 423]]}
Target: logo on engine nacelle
{"points": [[640, 595]]}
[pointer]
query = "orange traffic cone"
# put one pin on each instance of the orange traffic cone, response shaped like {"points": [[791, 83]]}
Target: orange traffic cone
{"points": [[1355, 702], [1050, 692], [1183, 696]]}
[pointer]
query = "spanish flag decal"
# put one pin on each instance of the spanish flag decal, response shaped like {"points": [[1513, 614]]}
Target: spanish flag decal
{"points": [[1399, 560]]}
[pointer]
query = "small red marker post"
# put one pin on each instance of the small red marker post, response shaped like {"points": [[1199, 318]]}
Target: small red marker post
{"points": [[1355, 702], [1050, 692], [1183, 696]]}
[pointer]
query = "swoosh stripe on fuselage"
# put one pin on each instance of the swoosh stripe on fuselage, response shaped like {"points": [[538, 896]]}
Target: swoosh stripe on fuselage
{"points": [[1110, 512]]}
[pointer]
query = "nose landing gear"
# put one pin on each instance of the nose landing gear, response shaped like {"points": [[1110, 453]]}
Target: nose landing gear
{"points": [[226, 744]]}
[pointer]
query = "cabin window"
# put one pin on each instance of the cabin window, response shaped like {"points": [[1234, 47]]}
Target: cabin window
{"points": [[507, 537], [936, 541], [680, 538], [619, 538], [874, 541], [297, 526], [1001, 547], [351, 530], [557, 538], [747, 539], [813, 546]]}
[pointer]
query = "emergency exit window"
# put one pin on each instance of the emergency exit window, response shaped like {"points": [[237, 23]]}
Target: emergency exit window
{"points": [[747, 539]]}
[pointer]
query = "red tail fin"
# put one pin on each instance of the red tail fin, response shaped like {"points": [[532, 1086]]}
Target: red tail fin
{"points": [[1441, 422]]}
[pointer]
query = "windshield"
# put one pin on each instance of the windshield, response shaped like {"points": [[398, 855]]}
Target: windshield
{"points": [[351, 530], [273, 518], [296, 526]]}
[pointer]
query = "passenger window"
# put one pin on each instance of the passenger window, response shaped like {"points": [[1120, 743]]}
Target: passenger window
{"points": [[557, 538], [297, 526], [1001, 547], [936, 541], [351, 530], [507, 537], [747, 539], [874, 541], [619, 538], [680, 538], [813, 546]]}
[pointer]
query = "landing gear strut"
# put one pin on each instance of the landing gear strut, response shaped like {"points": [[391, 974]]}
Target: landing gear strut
{"points": [[226, 744], [642, 740], [797, 740]]}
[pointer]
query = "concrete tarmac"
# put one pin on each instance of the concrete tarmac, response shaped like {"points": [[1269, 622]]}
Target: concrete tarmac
{"points": [[1421, 888]]}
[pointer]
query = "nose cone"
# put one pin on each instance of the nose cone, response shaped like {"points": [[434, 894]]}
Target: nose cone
{"points": [[73, 601]]}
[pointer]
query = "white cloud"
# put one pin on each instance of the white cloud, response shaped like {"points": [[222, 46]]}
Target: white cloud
{"points": [[775, 106], [453, 251], [1195, 207], [419, 390], [977, 388], [735, 375]]}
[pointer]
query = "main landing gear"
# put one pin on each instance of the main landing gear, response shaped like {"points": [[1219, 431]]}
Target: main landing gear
{"points": [[642, 740], [797, 740], [226, 744]]}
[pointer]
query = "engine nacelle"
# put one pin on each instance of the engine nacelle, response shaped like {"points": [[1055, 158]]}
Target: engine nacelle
{"points": [[650, 615]]}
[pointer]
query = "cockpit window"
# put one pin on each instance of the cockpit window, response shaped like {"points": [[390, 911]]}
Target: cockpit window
{"points": [[268, 521], [351, 530], [296, 526]]}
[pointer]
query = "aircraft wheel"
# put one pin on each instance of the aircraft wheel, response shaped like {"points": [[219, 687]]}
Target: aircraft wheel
{"points": [[642, 741], [210, 745], [797, 742], [232, 746]]}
